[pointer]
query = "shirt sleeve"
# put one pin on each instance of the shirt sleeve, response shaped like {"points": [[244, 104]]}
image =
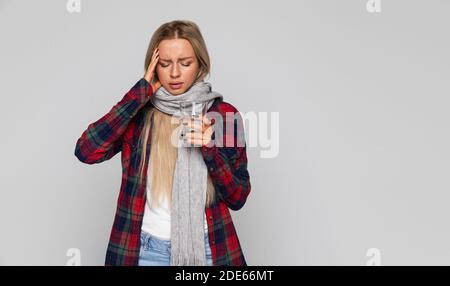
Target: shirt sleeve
{"points": [[103, 138], [227, 167]]}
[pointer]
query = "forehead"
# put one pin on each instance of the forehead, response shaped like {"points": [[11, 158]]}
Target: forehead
{"points": [[175, 49]]}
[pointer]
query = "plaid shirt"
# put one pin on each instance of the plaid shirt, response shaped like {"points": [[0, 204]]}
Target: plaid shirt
{"points": [[119, 130]]}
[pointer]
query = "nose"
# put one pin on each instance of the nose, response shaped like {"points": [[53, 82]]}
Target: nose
{"points": [[175, 72]]}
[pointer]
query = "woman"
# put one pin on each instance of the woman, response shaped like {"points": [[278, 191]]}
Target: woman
{"points": [[174, 201]]}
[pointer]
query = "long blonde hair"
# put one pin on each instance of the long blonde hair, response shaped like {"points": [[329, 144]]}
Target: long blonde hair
{"points": [[163, 154]]}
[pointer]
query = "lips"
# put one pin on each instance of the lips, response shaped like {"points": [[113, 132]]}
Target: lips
{"points": [[175, 85]]}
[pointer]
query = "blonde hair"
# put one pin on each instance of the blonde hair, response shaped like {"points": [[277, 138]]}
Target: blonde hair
{"points": [[163, 154]]}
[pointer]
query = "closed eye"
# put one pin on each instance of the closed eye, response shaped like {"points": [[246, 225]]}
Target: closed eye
{"points": [[185, 65]]}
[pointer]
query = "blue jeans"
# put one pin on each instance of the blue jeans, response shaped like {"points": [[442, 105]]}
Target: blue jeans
{"points": [[156, 252]]}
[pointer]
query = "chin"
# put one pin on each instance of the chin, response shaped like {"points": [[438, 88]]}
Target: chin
{"points": [[176, 92], [173, 91]]}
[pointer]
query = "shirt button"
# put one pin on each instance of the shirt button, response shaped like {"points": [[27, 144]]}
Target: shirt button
{"points": [[214, 242], [210, 217], [211, 169]]}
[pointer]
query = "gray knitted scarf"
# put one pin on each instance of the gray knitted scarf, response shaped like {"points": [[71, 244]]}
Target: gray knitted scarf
{"points": [[189, 183]]}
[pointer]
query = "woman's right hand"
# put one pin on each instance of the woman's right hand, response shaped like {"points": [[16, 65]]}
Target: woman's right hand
{"points": [[150, 73]]}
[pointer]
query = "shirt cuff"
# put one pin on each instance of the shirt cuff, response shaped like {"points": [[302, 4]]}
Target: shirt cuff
{"points": [[146, 84]]}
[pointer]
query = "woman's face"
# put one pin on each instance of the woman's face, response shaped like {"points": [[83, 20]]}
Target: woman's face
{"points": [[177, 64]]}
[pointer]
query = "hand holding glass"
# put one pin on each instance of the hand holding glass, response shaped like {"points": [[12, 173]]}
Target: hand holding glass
{"points": [[192, 114]]}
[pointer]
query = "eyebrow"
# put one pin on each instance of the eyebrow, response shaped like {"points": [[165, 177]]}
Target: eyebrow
{"points": [[167, 60]]}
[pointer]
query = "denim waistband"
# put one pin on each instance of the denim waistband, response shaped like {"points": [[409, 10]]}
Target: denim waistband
{"points": [[159, 243]]}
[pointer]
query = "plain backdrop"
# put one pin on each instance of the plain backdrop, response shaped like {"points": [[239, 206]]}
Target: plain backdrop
{"points": [[362, 98]]}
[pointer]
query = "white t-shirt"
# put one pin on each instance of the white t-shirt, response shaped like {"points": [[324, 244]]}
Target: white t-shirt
{"points": [[156, 219]]}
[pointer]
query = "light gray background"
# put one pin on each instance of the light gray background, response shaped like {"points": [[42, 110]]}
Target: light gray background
{"points": [[364, 124]]}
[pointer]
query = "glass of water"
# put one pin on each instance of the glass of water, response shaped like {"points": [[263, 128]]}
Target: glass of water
{"points": [[191, 111]]}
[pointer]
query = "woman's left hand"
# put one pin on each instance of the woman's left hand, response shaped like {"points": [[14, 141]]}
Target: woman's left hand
{"points": [[200, 134]]}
